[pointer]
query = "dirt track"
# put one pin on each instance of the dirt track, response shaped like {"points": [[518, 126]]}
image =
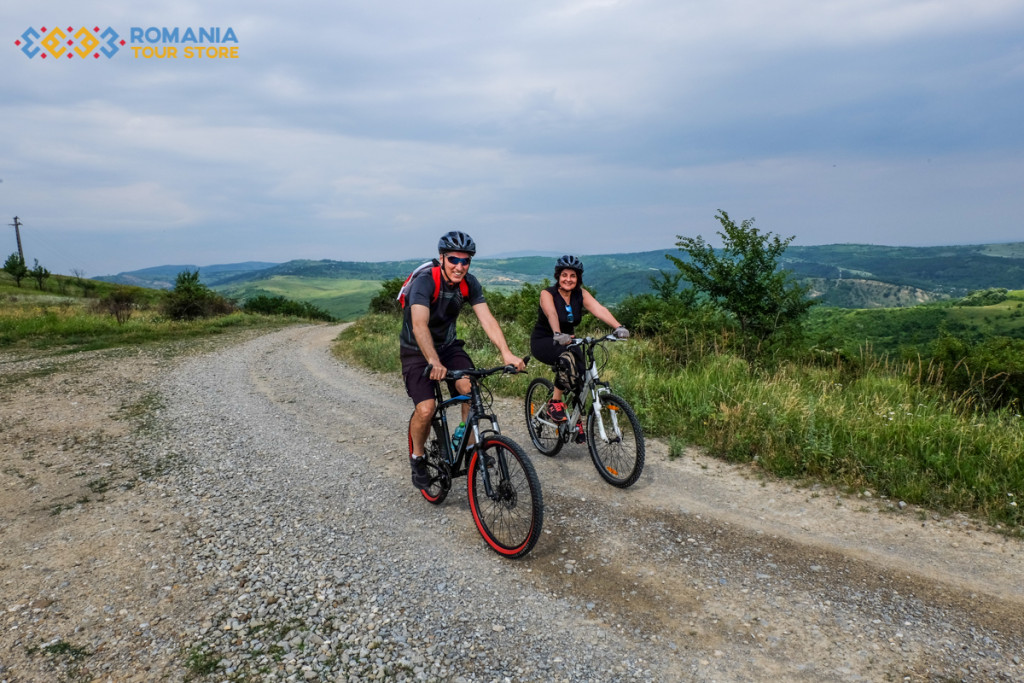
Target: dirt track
{"points": [[704, 566]]}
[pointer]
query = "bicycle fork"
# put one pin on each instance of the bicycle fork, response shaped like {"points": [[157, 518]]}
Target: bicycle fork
{"points": [[613, 414], [597, 387]]}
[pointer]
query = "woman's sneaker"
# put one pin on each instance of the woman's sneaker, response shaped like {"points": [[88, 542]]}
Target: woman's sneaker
{"points": [[420, 475], [556, 410], [581, 436]]}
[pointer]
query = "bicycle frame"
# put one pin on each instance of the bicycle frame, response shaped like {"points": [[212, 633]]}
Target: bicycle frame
{"points": [[458, 462], [589, 394], [596, 415]]}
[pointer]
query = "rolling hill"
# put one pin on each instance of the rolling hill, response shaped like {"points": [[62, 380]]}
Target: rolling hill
{"points": [[841, 275]]}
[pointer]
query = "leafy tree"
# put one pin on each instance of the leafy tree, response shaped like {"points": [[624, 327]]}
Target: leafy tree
{"points": [[666, 286], [39, 274], [386, 300], [744, 279], [191, 299], [15, 267], [519, 306]]}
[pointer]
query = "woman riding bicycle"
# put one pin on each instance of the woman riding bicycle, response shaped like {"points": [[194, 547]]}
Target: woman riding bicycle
{"points": [[562, 305]]}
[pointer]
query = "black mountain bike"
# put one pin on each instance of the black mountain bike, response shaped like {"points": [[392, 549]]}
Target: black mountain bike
{"points": [[504, 491], [611, 431]]}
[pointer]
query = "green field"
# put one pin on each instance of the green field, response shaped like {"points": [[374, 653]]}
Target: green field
{"points": [[890, 330], [344, 299]]}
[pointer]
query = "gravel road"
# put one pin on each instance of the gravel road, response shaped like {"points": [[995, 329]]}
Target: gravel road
{"points": [[259, 524]]}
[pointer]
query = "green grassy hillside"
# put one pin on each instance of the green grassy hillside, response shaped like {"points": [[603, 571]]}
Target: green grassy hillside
{"points": [[162, 277], [842, 275], [953, 270], [890, 330], [70, 315], [344, 299]]}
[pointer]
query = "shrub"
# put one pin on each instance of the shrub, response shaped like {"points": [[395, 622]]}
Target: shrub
{"points": [[191, 299], [985, 297], [39, 274], [386, 300], [279, 305], [518, 307], [120, 303], [989, 373]]}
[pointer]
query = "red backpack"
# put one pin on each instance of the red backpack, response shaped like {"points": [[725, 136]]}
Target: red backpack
{"points": [[435, 272]]}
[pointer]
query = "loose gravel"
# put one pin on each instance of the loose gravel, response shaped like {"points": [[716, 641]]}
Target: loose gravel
{"points": [[272, 534]]}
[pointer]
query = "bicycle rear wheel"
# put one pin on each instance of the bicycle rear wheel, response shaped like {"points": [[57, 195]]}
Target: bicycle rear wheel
{"points": [[543, 432], [619, 456], [510, 519]]}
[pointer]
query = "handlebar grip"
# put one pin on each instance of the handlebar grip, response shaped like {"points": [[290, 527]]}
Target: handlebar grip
{"points": [[426, 370]]}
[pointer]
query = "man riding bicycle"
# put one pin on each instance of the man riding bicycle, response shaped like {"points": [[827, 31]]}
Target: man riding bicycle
{"points": [[428, 337]]}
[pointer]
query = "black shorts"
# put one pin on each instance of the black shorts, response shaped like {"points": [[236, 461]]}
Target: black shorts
{"points": [[545, 349], [421, 388]]}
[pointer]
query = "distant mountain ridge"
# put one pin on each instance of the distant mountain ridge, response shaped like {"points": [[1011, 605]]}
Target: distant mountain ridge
{"points": [[162, 277], [843, 275]]}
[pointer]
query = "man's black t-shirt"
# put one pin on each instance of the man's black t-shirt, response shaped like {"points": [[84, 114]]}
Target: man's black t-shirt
{"points": [[443, 312]]}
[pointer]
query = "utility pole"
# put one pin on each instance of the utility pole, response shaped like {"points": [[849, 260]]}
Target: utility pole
{"points": [[17, 233]]}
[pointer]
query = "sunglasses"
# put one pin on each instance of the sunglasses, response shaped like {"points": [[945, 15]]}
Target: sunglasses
{"points": [[568, 313], [456, 261]]}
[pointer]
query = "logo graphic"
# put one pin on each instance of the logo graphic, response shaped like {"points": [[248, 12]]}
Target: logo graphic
{"points": [[57, 42], [153, 42]]}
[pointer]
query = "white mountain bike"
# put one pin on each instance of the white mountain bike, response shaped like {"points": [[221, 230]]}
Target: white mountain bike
{"points": [[606, 422]]}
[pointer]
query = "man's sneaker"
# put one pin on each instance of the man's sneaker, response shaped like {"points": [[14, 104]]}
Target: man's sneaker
{"points": [[581, 436], [420, 475], [556, 410]]}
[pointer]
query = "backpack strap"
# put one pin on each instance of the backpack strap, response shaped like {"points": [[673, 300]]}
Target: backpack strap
{"points": [[436, 273], [405, 285]]}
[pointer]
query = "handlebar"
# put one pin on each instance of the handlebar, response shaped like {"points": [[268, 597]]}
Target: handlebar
{"points": [[477, 372], [578, 341]]}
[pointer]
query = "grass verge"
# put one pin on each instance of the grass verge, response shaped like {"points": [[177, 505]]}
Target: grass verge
{"points": [[31, 324], [886, 428]]}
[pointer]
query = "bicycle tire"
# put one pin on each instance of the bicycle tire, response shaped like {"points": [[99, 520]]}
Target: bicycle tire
{"points": [[440, 482], [512, 519], [545, 438], [620, 460]]}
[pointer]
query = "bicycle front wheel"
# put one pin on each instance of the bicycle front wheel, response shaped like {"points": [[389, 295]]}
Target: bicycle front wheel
{"points": [[618, 454], [543, 432], [510, 517]]}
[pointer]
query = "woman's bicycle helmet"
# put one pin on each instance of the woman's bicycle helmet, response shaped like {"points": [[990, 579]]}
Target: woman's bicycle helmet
{"points": [[572, 263], [456, 240], [568, 261]]}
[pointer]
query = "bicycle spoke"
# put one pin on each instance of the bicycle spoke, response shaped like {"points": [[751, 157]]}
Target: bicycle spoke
{"points": [[616, 441], [510, 518], [544, 433]]}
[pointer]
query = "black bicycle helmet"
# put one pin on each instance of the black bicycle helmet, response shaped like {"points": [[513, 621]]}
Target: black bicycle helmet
{"points": [[456, 240], [571, 262]]}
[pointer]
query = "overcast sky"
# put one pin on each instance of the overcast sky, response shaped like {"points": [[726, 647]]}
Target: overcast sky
{"points": [[363, 130]]}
